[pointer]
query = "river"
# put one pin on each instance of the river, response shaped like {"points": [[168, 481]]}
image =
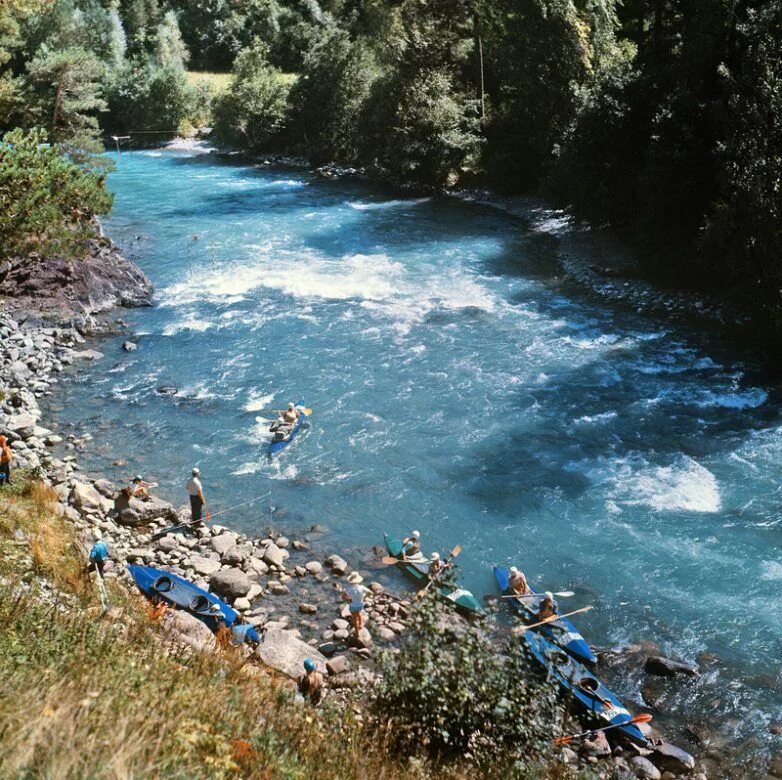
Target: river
{"points": [[461, 385]]}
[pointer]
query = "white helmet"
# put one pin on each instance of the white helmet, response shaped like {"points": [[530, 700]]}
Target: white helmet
{"points": [[291, 405], [435, 556], [196, 471], [416, 534], [514, 570], [549, 595]]}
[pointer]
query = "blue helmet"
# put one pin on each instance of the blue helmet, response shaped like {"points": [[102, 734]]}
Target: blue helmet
{"points": [[309, 664]]}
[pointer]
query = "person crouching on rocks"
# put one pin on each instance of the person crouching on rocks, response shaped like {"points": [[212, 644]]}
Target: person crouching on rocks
{"points": [[99, 554], [355, 593], [196, 493], [6, 456], [311, 682]]}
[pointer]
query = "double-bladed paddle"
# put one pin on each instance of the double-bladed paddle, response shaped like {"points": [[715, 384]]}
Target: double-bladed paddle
{"points": [[456, 550], [561, 594], [306, 411], [643, 718], [552, 619]]}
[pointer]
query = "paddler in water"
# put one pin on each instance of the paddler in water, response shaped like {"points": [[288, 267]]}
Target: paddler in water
{"points": [[291, 414], [411, 545], [548, 606], [517, 582], [437, 566]]}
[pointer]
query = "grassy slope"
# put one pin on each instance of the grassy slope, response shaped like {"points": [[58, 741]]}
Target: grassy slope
{"points": [[87, 695]]}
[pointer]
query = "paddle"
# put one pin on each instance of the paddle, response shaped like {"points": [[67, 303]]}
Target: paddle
{"points": [[562, 594], [522, 629], [304, 410], [643, 718], [456, 550]]}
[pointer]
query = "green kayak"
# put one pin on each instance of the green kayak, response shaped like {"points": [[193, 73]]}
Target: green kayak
{"points": [[417, 566]]}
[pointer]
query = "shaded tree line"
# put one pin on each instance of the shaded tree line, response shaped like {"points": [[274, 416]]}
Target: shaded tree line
{"points": [[661, 118]]}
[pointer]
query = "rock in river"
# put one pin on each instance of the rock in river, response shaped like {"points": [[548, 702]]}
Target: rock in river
{"points": [[281, 650], [661, 666], [232, 583]]}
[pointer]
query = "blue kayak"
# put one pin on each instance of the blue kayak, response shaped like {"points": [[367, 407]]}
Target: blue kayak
{"points": [[579, 683], [561, 632], [279, 444], [183, 594]]}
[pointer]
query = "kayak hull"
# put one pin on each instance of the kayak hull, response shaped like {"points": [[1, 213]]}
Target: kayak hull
{"points": [[561, 633], [179, 592], [593, 697], [278, 446], [417, 567]]}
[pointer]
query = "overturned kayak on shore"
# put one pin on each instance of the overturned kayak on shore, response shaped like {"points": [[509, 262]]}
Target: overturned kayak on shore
{"points": [[417, 566], [577, 682], [179, 592], [281, 440], [561, 632]]}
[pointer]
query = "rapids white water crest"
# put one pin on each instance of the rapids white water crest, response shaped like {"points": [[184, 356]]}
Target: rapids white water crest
{"points": [[460, 386]]}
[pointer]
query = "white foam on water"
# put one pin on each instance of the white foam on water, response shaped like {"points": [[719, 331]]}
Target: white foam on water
{"points": [[192, 322], [684, 486], [388, 204], [747, 399], [255, 402], [771, 570], [192, 145], [251, 467], [595, 418]]}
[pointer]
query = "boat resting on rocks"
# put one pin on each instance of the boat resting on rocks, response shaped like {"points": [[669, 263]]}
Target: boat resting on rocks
{"points": [[561, 632], [180, 593], [598, 702], [282, 434], [417, 566]]}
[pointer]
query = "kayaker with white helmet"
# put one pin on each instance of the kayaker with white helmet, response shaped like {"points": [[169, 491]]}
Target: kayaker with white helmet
{"points": [[355, 593], [311, 682], [437, 566], [291, 414], [548, 606], [517, 582], [196, 493], [411, 545]]}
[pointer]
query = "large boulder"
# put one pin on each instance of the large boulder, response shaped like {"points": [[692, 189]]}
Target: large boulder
{"points": [[22, 424], [223, 543], [86, 498], [203, 565], [661, 666], [273, 555], [231, 583], [670, 758], [134, 512], [282, 651], [186, 629], [644, 768]]}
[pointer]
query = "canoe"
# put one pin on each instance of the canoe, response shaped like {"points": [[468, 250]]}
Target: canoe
{"points": [[561, 633], [183, 594], [601, 704], [279, 446], [417, 566]]}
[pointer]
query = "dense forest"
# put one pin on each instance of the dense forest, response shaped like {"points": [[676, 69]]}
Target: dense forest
{"points": [[661, 118]]}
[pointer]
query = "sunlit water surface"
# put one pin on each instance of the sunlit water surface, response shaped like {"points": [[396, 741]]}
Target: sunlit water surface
{"points": [[460, 387]]}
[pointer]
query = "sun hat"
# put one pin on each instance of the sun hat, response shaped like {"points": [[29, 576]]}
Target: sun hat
{"points": [[435, 556], [416, 534], [514, 570], [549, 595], [354, 578], [196, 470]]}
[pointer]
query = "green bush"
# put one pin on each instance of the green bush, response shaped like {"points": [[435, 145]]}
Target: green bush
{"points": [[47, 201], [451, 691], [253, 110]]}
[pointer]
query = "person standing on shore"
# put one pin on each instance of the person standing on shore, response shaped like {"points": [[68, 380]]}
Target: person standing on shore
{"points": [[6, 456], [355, 593], [196, 493]]}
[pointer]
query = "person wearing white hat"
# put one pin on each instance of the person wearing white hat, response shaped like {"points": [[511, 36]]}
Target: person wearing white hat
{"points": [[138, 488], [548, 607], [196, 493], [355, 593], [517, 582], [436, 565], [411, 545], [291, 414]]}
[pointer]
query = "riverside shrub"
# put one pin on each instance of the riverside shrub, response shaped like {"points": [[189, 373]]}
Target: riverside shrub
{"points": [[456, 691], [47, 201]]}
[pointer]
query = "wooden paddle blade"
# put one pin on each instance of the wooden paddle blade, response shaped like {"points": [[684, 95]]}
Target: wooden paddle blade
{"points": [[389, 559], [306, 412], [565, 594], [644, 717], [562, 741], [456, 551]]}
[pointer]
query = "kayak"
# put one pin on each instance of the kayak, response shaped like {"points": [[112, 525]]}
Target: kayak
{"points": [[280, 444], [579, 683], [561, 632], [183, 594], [417, 566]]}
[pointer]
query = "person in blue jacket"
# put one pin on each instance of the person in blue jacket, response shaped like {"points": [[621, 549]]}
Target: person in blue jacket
{"points": [[99, 554]]}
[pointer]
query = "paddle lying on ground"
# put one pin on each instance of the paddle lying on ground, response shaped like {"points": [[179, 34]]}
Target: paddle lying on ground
{"points": [[552, 619], [456, 550], [643, 718], [561, 594]]}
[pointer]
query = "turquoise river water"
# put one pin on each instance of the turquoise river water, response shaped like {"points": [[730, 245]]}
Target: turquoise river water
{"points": [[460, 386]]}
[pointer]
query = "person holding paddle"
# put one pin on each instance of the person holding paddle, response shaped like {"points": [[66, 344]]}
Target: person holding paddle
{"points": [[411, 545], [517, 582], [548, 607]]}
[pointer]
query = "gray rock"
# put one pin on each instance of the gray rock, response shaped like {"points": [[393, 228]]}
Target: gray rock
{"points": [[338, 565], [85, 497], [273, 556], [256, 564], [596, 746], [667, 757], [282, 542], [340, 623], [203, 566], [328, 648], [282, 651], [644, 768], [337, 665], [168, 543], [242, 603], [278, 589], [237, 554], [314, 567], [231, 583], [184, 628], [143, 512], [255, 591], [129, 346], [221, 544], [307, 609], [341, 634], [362, 640], [664, 667], [386, 634]]}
